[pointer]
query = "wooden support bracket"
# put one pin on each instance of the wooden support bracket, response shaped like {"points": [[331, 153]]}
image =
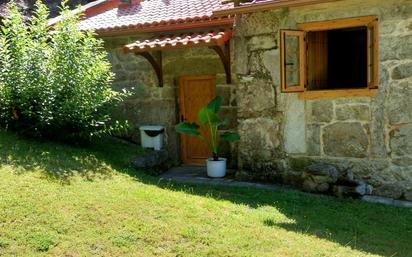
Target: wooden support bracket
{"points": [[224, 54], [155, 60]]}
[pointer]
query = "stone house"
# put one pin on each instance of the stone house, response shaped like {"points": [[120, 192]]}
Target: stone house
{"points": [[303, 81]]}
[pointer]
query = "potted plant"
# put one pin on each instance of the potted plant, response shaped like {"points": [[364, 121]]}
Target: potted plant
{"points": [[208, 118]]}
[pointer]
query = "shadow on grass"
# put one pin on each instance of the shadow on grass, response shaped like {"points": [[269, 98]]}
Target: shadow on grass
{"points": [[61, 162], [371, 228]]}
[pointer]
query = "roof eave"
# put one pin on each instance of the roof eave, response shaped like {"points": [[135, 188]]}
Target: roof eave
{"points": [[224, 22], [257, 7]]}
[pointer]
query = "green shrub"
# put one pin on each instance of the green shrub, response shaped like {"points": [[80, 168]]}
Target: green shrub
{"points": [[54, 82]]}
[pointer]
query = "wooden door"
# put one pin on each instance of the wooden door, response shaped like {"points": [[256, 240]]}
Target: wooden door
{"points": [[195, 93]]}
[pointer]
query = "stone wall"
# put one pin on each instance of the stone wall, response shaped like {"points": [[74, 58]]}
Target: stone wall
{"points": [[151, 104], [369, 136]]}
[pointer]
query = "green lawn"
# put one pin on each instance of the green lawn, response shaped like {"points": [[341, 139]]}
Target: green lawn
{"points": [[57, 200]]}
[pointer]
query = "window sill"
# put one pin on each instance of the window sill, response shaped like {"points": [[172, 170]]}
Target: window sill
{"points": [[320, 94]]}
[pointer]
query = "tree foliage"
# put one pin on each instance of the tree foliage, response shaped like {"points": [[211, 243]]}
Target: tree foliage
{"points": [[54, 82]]}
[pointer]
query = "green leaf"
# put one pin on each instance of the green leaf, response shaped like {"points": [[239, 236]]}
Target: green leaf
{"points": [[215, 104], [218, 122], [190, 129], [207, 116], [230, 136]]}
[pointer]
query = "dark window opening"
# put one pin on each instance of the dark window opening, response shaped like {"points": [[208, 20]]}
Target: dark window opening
{"points": [[337, 59]]}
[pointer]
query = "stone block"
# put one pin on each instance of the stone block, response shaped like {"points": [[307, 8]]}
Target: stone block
{"points": [[378, 146], [318, 177], [299, 163], [402, 71], [150, 159], [153, 162], [255, 65], [395, 48], [408, 195], [321, 111], [352, 101], [399, 105], [194, 66], [400, 141], [168, 93], [224, 92], [131, 66], [240, 56], [328, 172], [259, 140], [262, 42], [120, 75], [159, 112], [255, 97], [230, 115], [272, 65], [269, 171], [295, 124], [402, 161], [345, 140], [353, 112], [313, 139], [258, 23], [389, 190]]}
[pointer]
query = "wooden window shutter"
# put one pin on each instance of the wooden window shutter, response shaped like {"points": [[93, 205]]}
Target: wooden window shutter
{"points": [[292, 60], [373, 51]]}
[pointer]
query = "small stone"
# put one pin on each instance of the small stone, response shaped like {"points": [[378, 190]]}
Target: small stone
{"points": [[361, 188], [318, 177], [349, 176], [309, 186], [323, 170], [150, 159], [324, 187], [408, 195], [369, 190]]}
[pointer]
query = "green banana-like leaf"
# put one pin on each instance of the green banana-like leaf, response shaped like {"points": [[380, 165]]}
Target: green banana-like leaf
{"points": [[190, 129], [207, 116], [215, 104], [230, 136], [218, 123]]}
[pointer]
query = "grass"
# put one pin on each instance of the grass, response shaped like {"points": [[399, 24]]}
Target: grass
{"points": [[57, 200]]}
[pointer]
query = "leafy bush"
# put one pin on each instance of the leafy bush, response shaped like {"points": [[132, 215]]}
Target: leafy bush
{"points": [[54, 82]]}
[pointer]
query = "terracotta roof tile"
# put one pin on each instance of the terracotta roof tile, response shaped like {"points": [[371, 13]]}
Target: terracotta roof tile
{"points": [[210, 38], [154, 13]]}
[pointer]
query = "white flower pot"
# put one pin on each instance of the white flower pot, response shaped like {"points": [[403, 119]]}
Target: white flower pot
{"points": [[216, 169]]}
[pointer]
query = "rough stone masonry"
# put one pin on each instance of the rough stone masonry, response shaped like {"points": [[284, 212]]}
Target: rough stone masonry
{"points": [[370, 136], [281, 135]]}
